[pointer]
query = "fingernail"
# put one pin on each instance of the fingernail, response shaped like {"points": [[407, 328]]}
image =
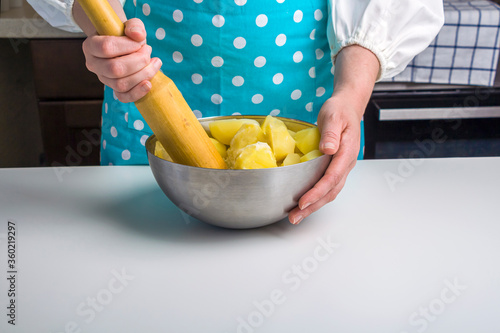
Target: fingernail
{"points": [[146, 87], [135, 29], [304, 206], [297, 219], [328, 145], [158, 63]]}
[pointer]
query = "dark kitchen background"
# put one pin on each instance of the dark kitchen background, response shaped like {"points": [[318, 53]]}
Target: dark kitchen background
{"points": [[445, 104]]}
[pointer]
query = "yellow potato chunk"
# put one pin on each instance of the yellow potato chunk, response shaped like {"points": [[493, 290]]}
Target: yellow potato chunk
{"points": [[308, 139], [161, 152], [224, 130], [291, 159], [292, 133], [311, 155], [255, 156], [278, 137], [247, 134], [222, 149]]}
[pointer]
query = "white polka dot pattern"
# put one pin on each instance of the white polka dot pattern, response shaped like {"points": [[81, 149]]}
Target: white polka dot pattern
{"points": [[298, 16], [312, 72], [238, 81], [178, 16], [143, 140], [126, 155], [196, 78], [139, 125], [298, 56], [239, 42], [278, 78], [260, 61], [318, 15], [319, 54], [217, 61], [320, 91], [261, 20], [218, 21], [146, 9], [216, 99], [196, 40], [257, 99], [160, 34], [281, 39], [177, 56], [296, 94]]}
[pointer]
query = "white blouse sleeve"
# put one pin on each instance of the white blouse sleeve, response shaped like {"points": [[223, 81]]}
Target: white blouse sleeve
{"points": [[59, 13], [394, 30]]}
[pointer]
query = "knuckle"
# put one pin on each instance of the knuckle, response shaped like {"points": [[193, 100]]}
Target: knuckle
{"points": [[122, 85], [89, 66], [124, 98], [145, 60], [107, 47], [333, 178], [116, 69]]}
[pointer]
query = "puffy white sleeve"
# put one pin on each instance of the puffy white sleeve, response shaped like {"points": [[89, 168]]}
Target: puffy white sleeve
{"points": [[59, 13], [394, 30]]}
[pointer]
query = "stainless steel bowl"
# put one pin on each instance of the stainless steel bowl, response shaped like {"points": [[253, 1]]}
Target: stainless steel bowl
{"points": [[237, 199]]}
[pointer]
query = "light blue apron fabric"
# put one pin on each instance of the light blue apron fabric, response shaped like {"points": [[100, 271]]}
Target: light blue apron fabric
{"points": [[228, 57]]}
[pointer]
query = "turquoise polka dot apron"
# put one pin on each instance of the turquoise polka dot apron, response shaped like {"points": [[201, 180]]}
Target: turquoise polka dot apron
{"points": [[228, 57]]}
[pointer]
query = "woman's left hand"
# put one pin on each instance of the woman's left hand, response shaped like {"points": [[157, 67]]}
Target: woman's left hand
{"points": [[340, 131], [356, 70]]}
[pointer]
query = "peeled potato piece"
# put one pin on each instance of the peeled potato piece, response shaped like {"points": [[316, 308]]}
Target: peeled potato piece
{"points": [[291, 159], [255, 156], [161, 152], [222, 149], [278, 137], [248, 134], [224, 130], [308, 139], [311, 155]]}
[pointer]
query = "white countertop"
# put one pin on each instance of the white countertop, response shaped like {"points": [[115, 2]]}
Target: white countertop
{"points": [[101, 249], [24, 22]]}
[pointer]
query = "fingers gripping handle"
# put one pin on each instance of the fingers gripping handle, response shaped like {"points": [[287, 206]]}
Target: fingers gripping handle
{"points": [[163, 108]]}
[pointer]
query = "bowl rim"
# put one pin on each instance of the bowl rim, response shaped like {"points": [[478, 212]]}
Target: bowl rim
{"points": [[152, 137]]}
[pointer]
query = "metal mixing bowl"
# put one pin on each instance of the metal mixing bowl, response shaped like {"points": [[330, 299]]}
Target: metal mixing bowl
{"points": [[237, 199]]}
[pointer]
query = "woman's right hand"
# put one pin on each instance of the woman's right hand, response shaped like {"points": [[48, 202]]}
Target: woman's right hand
{"points": [[123, 63]]}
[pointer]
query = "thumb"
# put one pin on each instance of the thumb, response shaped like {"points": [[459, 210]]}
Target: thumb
{"points": [[330, 136], [135, 30]]}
